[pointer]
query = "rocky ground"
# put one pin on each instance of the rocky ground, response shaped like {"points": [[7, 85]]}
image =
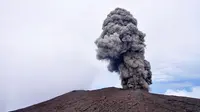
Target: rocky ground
{"points": [[115, 100]]}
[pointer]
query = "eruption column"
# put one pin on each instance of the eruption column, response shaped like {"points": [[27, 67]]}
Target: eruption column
{"points": [[122, 45]]}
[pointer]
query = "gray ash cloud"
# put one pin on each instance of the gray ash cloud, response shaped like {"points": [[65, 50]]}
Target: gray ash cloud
{"points": [[122, 45]]}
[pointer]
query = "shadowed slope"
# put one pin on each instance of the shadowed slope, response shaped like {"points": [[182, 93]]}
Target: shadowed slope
{"points": [[115, 100]]}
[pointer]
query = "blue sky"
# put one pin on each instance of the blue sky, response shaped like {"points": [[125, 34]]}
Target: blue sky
{"points": [[47, 47]]}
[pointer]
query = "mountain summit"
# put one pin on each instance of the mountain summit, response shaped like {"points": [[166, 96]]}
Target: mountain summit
{"points": [[115, 100]]}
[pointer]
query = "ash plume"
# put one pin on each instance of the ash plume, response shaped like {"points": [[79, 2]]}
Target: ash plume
{"points": [[122, 45]]}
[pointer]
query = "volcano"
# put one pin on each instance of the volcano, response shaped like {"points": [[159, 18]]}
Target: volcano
{"points": [[115, 100]]}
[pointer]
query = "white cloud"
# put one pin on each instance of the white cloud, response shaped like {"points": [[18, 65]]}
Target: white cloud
{"points": [[195, 92]]}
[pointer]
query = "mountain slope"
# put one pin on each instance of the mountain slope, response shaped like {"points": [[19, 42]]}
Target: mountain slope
{"points": [[115, 100]]}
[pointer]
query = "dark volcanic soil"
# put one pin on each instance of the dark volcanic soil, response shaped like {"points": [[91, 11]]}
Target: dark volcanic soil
{"points": [[115, 100]]}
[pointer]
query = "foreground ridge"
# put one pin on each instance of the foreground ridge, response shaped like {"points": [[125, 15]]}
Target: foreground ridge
{"points": [[115, 100]]}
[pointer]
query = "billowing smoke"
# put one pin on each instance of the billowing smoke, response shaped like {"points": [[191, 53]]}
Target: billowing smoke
{"points": [[122, 44]]}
